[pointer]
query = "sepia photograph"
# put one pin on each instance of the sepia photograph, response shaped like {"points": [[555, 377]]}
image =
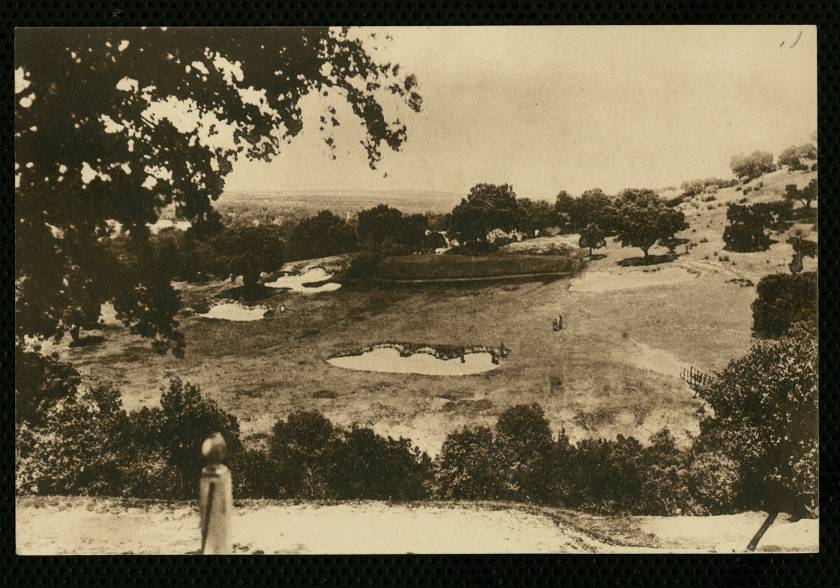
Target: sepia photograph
{"points": [[416, 290]]}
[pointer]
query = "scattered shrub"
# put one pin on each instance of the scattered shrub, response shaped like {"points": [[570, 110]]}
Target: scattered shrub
{"points": [[467, 468], [714, 479], [748, 167], [793, 156], [367, 466], [363, 268]]}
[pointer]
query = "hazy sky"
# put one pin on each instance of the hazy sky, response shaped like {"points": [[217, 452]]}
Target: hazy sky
{"points": [[551, 108]]}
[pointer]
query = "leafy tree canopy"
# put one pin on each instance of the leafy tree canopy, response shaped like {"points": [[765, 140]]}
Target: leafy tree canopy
{"points": [[248, 252], [593, 237], [592, 206], [793, 156], [765, 415], [784, 300], [748, 167], [320, 236], [804, 195], [642, 219], [485, 208], [114, 124], [535, 215]]}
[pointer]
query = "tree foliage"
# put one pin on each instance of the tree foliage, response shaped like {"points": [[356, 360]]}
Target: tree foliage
{"points": [[765, 415], [642, 219], [563, 208], [804, 195], [535, 216], [114, 124], [248, 252], [748, 167], [40, 382], [593, 207], [592, 237], [746, 228], [782, 301], [798, 157], [388, 231], [321, 235], [486, 207]]}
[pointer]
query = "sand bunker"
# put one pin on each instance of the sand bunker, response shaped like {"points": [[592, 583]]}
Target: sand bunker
{"points": [[390, 360], [235, 311], [166, 223], [302, 282], [605, 281]]}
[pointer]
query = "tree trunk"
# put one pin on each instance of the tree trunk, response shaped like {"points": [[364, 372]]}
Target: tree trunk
{"points": [[75, 332], [590, 252], [771, 516]]}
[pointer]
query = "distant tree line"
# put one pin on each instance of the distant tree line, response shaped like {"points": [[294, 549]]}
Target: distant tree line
{"points": [[795, 158]]}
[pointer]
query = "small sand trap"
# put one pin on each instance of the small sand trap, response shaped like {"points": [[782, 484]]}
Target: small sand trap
{"points": [[605, 281], [299, 282], [165, 223], [388, 360], [108, 315], [235, 311]]}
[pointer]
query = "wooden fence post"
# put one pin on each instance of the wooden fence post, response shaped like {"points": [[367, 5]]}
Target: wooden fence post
{"points": [[215, 498]]}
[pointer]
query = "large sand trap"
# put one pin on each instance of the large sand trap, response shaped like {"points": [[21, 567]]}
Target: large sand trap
{"points": [[626, 279], [298, 282], [235, 311], [389, 360]]}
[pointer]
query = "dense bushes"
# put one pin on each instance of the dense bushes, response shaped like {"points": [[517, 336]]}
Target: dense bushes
{"points": [[523, 461], [784, 300], [88, 444], [747, 224], [698, 186], [765, 408], [321, 235], [758, 449]]}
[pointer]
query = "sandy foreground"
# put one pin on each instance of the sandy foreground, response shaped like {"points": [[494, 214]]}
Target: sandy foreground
{"points": [[88, 526]]}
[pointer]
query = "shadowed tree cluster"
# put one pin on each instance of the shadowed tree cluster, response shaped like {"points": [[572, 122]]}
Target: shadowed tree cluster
{"points": [[101, 147]]}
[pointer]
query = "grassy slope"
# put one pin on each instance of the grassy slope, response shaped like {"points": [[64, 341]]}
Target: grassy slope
{"points": [[437, 267], [607, 360]]}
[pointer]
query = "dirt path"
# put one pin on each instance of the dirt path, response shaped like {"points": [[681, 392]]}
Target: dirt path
{"points": [[107, 526], [86, 526]]}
